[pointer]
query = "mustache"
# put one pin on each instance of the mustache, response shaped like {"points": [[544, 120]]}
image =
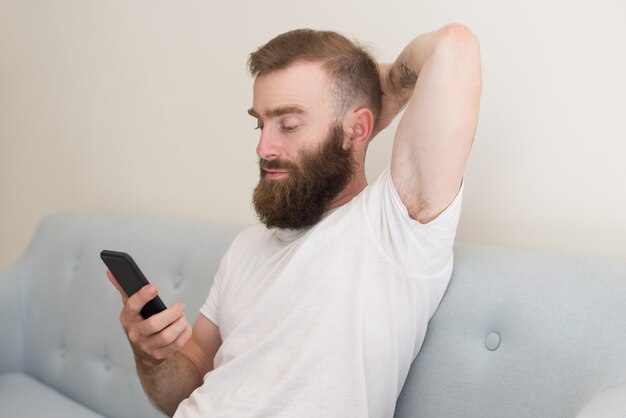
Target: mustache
{"points": [[276, 165]]}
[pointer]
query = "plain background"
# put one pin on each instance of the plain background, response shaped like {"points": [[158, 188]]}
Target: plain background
{"points": [[139, 107]]}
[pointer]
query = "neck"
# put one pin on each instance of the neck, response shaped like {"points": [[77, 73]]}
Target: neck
{"points": [[353, 188]]}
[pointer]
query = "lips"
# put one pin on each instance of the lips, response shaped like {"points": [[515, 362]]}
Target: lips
{"points": [[275, 174]]}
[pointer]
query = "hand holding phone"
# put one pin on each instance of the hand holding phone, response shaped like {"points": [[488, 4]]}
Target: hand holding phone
{"points": [[131, 279]]}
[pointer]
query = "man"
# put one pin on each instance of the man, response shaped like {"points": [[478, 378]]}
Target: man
{"points": [[320, 312]]}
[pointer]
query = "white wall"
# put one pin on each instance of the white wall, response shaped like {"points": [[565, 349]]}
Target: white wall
{"points": [[139, 107]]}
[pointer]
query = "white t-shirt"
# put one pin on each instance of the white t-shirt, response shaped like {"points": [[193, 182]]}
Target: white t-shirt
{"points": [[325, 322]]}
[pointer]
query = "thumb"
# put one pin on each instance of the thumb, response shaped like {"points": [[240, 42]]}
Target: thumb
{"points": [[116, 284]]}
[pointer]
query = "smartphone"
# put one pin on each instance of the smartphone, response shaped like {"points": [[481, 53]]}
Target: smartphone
{"points": [[131, 279]]}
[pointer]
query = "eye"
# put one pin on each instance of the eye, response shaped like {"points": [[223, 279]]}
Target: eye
{"points": [[259, 125], [289, 124], [291, 128]]}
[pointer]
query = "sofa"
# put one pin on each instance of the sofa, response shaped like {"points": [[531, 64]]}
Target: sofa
{"points": [[519, 333]]}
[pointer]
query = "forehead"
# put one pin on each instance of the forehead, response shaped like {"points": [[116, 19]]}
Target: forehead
{"points": [[303, 84]]}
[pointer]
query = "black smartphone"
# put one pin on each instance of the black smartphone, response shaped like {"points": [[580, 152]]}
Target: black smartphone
{"points": [[131, 279]]}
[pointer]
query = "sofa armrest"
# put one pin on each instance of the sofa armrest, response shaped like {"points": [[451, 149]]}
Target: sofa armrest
{"points": [[11, 349], [608, 404]]}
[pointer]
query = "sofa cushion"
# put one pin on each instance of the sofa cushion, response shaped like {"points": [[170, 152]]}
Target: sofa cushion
{"points": [[25, 397], [608, 404]]}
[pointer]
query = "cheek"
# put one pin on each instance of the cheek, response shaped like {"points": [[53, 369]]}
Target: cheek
{"points": [[304, 142]]}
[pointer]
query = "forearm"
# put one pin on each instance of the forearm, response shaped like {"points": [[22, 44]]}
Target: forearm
{"points": [[170, 382], [398, 79], [405, 70]]}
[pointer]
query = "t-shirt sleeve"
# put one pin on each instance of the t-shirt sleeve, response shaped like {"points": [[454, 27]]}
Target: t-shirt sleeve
{"points": [[210, 307], [423, 249]]}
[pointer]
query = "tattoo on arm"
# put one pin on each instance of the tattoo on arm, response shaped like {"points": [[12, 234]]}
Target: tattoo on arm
{"points": [[408, 77]]}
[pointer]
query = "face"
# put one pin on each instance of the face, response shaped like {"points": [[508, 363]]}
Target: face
{"points": [[303, 160], [300, 197]]}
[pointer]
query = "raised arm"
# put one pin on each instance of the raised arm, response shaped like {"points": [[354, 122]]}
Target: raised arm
{"points": [[438, 74]]}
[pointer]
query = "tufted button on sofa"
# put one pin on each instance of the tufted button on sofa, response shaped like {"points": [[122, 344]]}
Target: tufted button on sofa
{"points": [[519, 333]]}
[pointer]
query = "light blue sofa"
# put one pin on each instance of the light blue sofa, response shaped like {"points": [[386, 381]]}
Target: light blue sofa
{"points": [[519, 333]]}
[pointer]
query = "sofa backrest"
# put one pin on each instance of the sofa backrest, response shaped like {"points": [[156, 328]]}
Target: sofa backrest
{"points": [[521, 333], [72, 337]]}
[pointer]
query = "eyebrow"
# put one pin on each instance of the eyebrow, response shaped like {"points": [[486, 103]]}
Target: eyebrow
{"points": [[277, 112]]}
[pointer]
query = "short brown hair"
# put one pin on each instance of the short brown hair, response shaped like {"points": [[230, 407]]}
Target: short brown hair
{"points": [[352, 69]]}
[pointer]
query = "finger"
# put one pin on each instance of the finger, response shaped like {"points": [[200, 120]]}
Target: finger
{"points": [[115, 283], [175, 345], [170, 334], [155, 346], [159, 322], [136, 302], [152, 326], [146, 334]]}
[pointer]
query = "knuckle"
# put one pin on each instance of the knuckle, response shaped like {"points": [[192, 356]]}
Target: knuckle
{"points": [[124, 319], [167, 336], [144, 346], [173, 333], [132, 304], [139, 299], [152, 326], [134, 335]]}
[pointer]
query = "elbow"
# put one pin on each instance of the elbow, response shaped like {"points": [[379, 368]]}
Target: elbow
{"points": [[459, 40], [459, 48], [459, 35]]}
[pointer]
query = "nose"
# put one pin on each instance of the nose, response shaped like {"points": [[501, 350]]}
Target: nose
{"points": [[268, 147]]}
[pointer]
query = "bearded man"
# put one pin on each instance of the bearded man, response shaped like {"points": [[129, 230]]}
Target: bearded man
{"points": [[320, 310]]}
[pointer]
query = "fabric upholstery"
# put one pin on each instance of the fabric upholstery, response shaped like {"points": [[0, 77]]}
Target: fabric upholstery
{"points": [[11, 347], [609, 404], [24, 397], [72, 340], [519, 333], [560, 319]]}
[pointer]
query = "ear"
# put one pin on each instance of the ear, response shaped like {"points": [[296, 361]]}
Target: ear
{"points": [[358, 126]]}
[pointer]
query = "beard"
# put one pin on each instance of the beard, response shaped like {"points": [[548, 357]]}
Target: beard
{"points": [[300, 200]]}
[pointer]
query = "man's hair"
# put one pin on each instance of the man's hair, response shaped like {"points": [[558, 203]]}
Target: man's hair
{"points": [[352, 70]]}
